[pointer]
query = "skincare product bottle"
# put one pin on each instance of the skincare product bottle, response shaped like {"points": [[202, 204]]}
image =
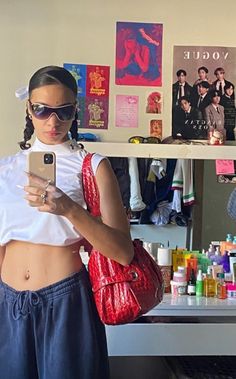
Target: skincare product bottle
{"points": [[225, 261], [216, 269], [217, 258], [209, 284], [191, 289], [199, 284], [229, 237], [232, 260], [164, 258], [221, 289], [211, 250]]}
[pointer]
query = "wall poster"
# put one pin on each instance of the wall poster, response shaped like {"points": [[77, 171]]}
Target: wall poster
{"points": [[203, 95], [138, 54], [126, 111], [93, 94]]}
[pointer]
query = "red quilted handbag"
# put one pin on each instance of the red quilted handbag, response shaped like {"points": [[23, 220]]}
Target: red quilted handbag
{"points": [[122, 293]]}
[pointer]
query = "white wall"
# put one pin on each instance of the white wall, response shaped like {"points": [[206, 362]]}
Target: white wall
{"points": [[38, 33]]}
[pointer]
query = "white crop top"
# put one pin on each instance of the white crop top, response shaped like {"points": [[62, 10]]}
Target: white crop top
{"points": [[18, 220]]}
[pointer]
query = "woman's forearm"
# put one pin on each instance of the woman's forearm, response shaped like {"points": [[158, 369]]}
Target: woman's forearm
{"points": [[113, 243]]}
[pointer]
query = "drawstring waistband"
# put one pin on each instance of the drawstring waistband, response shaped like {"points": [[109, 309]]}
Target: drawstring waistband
{"points": [[23, 303]]}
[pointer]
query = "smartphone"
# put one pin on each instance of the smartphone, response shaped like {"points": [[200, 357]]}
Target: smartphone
{"points": [[43, 164]]}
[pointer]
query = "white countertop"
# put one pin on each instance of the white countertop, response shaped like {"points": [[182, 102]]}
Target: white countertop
{"points": [[194, 306], [183, 325]]}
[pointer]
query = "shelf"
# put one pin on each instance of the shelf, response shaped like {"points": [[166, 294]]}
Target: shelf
{"points": [[120, 149]]}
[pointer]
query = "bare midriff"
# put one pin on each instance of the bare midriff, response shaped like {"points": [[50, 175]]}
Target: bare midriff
{"points": [[28, 266]]}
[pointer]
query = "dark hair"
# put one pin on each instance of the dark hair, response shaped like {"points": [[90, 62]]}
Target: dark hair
{"points": [[181, 71], [186, 98], [204, 84], [203, 68], [219, 69], [214, 93], [46, 76], [228, 85]]}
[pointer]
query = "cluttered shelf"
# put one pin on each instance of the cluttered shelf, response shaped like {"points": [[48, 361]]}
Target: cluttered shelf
{"points": [[185, 151]]}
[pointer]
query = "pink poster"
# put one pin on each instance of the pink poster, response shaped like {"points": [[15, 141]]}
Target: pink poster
{"points": [[126, 111], [139, 54]]}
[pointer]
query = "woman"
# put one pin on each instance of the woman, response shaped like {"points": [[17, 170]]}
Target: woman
{"points": [[50, 328]]}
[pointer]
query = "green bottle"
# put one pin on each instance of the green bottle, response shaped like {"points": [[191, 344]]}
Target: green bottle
{"points": [[199, 284]]}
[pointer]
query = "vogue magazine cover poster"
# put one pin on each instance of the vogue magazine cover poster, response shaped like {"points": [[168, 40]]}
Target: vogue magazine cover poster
{"points": [[138, 54], [203, 91]]}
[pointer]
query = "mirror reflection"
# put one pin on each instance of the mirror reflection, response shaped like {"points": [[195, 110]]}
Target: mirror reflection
{"points": [[174, 202]]}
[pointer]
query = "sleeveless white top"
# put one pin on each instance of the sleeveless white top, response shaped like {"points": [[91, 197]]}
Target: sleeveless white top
{"points": [[18, 220]]}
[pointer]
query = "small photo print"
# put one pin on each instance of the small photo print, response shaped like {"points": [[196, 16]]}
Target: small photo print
{"points": [[156, 128], [154, 102]]}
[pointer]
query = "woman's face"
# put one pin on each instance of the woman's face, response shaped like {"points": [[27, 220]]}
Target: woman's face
{"points": [[51, 131]]}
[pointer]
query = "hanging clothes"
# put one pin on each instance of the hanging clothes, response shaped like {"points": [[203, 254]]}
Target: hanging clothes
{"points": [[182, 184], [120, 167], [136, 202]]}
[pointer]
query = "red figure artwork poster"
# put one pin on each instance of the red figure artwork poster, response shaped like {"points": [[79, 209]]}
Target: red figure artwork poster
{"points": [[97, 83], [154, 102], [139, 54]]}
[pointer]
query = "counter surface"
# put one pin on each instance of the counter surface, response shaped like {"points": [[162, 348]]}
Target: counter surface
{"points": [[183, 325]]}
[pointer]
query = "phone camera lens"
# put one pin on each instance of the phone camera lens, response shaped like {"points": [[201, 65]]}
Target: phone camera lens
{"points": [[48, 158]]}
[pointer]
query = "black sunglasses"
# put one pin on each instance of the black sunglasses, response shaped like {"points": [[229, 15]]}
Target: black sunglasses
{"points": [[43, 112], [140, 139]]}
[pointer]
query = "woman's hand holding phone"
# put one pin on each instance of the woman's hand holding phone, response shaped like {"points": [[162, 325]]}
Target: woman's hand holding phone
{"points": [[44, 195]]}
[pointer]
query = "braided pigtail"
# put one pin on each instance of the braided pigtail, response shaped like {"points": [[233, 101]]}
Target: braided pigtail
{"points": [[28, 132], [74, 127]]}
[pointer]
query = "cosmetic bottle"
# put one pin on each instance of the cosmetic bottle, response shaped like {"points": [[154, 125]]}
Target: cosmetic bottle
{"points": [[211, 250], [209, 284], [164, 259], [216, 257], [191, 288], [227, 244], [225, 261], [221, 289], [199, 284], [232, 260], [216, 269]]}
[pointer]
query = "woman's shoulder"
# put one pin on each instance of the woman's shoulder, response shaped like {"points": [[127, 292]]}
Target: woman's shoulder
{"points": [[11, 159]]}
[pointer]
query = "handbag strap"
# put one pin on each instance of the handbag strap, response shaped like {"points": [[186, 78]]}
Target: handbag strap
{"points": [[90, 188]]}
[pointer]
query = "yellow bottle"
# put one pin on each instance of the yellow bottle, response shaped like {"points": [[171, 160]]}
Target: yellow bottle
{"points": [[209, 284]]}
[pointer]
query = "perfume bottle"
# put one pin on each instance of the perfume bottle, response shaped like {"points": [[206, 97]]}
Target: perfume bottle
{"points": [[209, 284], [221, 289], [191, 289]]}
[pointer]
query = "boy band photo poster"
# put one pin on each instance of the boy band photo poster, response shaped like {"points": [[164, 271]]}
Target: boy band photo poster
{"points": [[203, 91]]}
